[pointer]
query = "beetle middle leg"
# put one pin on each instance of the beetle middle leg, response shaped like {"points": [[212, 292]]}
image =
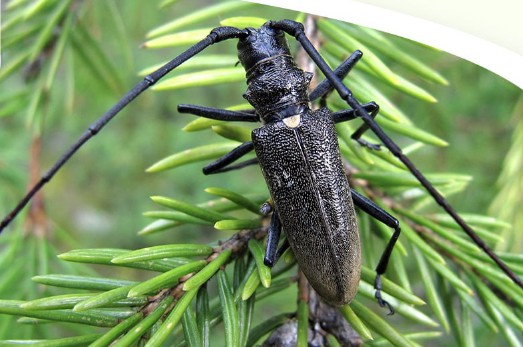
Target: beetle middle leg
{"points": [[223, 164]]}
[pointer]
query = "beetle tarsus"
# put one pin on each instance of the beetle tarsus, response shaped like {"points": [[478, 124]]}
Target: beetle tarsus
{"points": [[324, 88], [377, 295], [369, 145], [268, 262], [384, 303]]}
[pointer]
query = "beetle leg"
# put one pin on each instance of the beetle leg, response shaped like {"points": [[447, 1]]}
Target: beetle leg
{"points": [[363, 128], [369, 207], [273, 235], [253, 161], [219, 114], [325, 87], [273, 238], [341, 116], [346, 115], [222, 164]]}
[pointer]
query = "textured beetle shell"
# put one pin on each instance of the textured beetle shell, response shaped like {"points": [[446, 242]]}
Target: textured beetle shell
{"points": [[303, 170]]}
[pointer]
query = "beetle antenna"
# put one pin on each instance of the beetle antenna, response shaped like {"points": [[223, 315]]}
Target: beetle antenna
{"points": [[216, 35]]}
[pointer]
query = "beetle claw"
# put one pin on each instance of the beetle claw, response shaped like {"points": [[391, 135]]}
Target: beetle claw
{"points": [[384, 303], [377, 295]]}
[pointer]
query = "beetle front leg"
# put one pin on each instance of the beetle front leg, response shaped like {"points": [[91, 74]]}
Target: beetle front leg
{"points": [[222, 164], [325, 87], [218, 113], [373, 210]]}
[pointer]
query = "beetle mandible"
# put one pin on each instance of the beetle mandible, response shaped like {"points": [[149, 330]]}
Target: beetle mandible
{"points": [[299, 156]]}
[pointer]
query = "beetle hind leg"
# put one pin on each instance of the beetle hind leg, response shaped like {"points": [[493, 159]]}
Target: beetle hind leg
{"points": [[377, 295], [383, 216]]}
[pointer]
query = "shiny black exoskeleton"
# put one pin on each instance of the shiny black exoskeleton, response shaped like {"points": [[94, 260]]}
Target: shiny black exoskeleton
{"points": [[298, 154]]}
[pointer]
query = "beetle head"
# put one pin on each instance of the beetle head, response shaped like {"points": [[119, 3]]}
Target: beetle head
{"points": [[276, 86], [260, 44]]}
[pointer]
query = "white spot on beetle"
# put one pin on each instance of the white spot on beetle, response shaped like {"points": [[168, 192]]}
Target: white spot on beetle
{"points": [[292, 121]]}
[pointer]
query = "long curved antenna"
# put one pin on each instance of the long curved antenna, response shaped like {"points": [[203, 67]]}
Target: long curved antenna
{"points": [[216, 35], [295, 29]]}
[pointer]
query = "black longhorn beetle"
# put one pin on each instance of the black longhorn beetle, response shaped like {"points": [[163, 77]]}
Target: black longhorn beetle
{"points": [[298, 153]]}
